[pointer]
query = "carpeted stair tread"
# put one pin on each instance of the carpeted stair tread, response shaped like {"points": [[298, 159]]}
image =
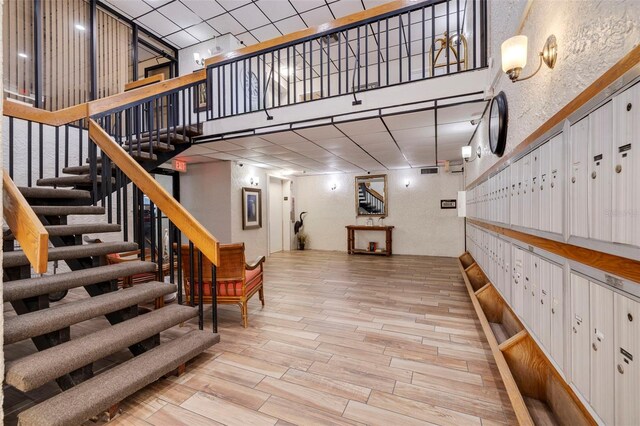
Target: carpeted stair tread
{"points": [[104, 390], [20, 289], [83, 170], [143, 156], [35, 370], [67, 210], [12, 259], [144, 146], [73, 180], [49, 193], [36, 323], [77, 229]]}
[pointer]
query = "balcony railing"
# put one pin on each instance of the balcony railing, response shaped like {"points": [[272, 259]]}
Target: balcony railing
{"points": [[410, 41]]}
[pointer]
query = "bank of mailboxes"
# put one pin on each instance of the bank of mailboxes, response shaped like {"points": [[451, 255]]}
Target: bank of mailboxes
{"points": [[605, 346], [490, 199], [537, 297], [605, 170]]}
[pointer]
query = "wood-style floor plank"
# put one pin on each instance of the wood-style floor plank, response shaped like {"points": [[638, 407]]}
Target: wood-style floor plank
{"points": [[342, 340]]}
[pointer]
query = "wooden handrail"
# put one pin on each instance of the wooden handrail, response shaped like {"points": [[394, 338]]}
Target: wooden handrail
{"points": [[384, 9], [25, 225], [13, 108], [143, 82], [176, 213]]}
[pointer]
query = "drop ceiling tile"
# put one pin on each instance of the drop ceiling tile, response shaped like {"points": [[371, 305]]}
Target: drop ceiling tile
{"points": [[460, 113], [205, 9], [370, 4], [373, 139], [158, 23], [202, 31], [226, 23], [317, 16], [157, 3], [290, 25], [196, 159], [198, 150], [132, 9], [272, 150], [245, 153], [222, 156], [410, 121], [276, 9], [304, 5], [320, 133], [233, 4], [250, 16], [266, 33], [182, 39], [179, 14], [361, 127], [250, 142], [223, 146], [284, 138], [334, 143], [345, 7], [247, 38]]}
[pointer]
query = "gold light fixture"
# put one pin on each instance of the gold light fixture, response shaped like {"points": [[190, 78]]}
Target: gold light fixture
{"points": [[514, 56]]}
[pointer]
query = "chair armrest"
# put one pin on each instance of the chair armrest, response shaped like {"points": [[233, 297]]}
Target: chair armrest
{"points": [[258, 261]]}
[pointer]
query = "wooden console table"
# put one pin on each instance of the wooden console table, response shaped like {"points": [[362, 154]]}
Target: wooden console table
{"points": [[351, 239]]}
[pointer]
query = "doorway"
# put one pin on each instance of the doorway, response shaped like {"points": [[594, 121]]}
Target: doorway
{"points": [[279, 200]]}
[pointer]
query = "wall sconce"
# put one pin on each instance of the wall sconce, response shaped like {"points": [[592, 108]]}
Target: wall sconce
{"points": [[334, 186], [254, 181], [514, 56], [467, 151], [407, 182]]}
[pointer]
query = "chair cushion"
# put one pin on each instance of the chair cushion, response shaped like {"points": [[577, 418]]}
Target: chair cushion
{"points": [[234, 288]]}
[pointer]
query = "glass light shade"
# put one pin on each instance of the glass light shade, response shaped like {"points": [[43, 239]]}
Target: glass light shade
{"points": [[196, 56], [514, 53], [466, 151]]}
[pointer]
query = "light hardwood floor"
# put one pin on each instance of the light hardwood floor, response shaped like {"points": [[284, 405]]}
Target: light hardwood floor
{"points": [[342, 340]]}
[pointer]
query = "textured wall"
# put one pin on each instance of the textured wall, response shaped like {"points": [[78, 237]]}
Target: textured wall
{"points": [[1, 286], [421, 227], [592, 35]]}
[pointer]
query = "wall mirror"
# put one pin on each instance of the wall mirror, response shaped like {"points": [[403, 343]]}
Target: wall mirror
{"points": [[371, 195]]}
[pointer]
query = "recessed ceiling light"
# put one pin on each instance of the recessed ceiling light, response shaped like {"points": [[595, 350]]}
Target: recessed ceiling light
{"points": [[22, 55], [80, 27]]}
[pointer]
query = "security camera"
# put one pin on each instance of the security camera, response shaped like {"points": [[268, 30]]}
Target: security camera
{"points": [[240, 164]]}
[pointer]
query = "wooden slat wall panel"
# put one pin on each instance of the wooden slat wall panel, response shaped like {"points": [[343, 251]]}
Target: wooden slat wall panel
{"points": [[114, 39], [18, 38]]}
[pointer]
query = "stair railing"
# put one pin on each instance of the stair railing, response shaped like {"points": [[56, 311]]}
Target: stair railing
{"points": [[25, 225]]}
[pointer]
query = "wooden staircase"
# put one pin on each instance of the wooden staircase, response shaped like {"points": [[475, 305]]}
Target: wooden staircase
{"points": [[70, 361]]}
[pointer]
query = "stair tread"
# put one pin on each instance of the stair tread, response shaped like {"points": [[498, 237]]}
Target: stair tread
{"points": [[144, 146], [104, 390], [21, 289], [36, 323], [36, 192], [67, 210], [76, 229], [71, 180], [144, 156], [33, 371], [80, 170], [18, 258]]}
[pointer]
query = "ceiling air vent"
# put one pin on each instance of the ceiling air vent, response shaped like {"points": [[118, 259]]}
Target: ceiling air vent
{"points": [[429, 171]]}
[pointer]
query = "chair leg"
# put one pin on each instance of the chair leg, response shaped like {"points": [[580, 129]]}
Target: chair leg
{"points": [[261, 295], [245, 314]]}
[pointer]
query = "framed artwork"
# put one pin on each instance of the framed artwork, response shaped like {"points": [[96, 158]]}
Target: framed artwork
{"points": [[200, 98], [448, 204], [251, 208], [251, 84]]}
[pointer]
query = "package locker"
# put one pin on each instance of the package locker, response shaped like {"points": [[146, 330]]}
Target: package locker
{"points": [[535, 190], [626, 167], [517, 280], [602, 353], [544, 303], [627, 351], [525, 171], [580, 335], [556, 183], [558, 328], [600, 170], [578, 181], [545, 194]]}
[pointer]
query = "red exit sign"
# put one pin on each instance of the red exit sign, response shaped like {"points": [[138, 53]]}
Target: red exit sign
{"points": [[180, 165]]}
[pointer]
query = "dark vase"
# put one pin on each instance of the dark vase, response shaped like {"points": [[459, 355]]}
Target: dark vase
{"points": [[301, 246]]}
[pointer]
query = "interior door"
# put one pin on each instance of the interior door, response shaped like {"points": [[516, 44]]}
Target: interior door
{"points": [[275, 215]]}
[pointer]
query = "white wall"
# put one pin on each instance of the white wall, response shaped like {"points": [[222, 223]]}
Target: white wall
{"points": [[421, 227], [592, 35]]}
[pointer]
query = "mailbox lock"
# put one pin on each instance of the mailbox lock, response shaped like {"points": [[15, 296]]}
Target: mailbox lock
{"points": [[630, 317], [629, 106], [595, 348], [552, 185], [553, 310], [541, 301], [620, 368], [618, 168], [574, 330], [593, 175], [573, 179]]}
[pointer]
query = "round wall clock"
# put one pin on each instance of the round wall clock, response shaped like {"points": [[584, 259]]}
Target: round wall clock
{"points": [[498, 119]]}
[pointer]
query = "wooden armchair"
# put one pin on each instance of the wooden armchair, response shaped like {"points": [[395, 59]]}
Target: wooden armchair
{"points": [[236, 280], [144, 277]]}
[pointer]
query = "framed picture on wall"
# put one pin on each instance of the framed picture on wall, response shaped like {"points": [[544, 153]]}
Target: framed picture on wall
{"points": [[200, 98], [251, 208]]}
